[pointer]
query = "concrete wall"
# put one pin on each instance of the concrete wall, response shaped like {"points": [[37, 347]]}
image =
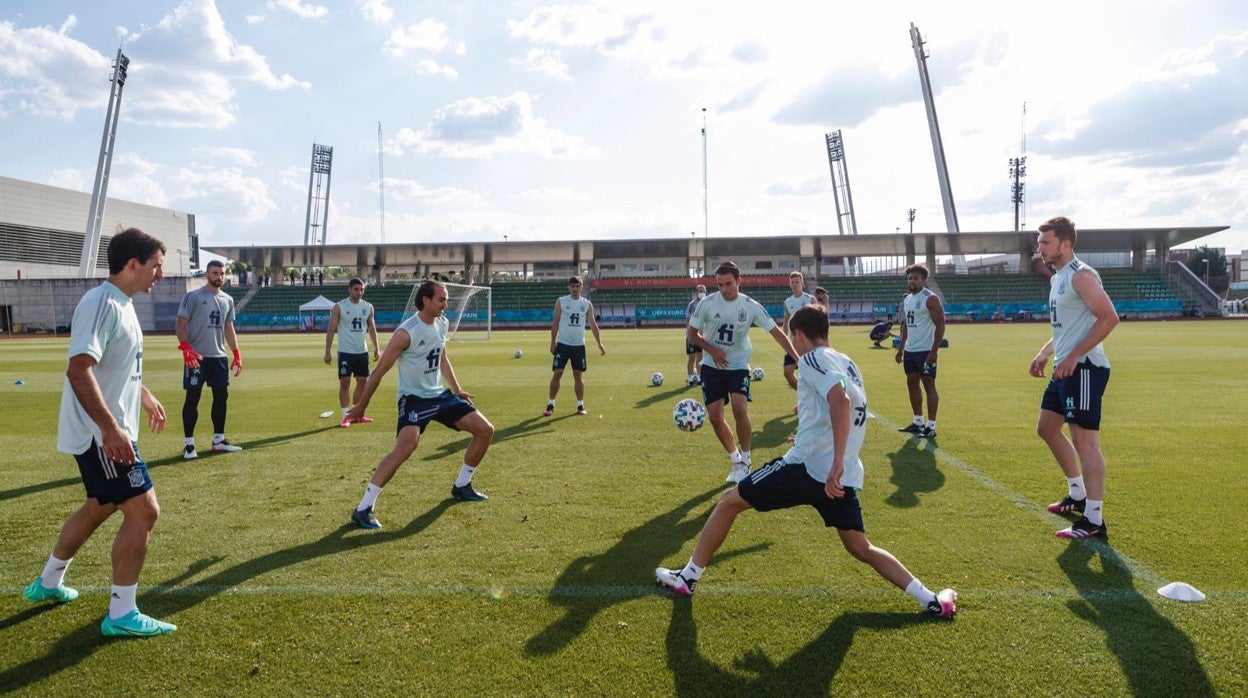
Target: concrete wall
{"points": [[44, 305]]}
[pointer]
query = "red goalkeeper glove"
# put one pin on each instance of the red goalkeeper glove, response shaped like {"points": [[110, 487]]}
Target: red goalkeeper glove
{"points": [[237, 364], [189, 355]]}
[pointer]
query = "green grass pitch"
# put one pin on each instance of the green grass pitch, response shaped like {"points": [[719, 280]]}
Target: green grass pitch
{"points": [[548, 589]]}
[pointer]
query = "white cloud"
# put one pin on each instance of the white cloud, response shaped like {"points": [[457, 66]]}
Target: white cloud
{"points": [[300, 9], [242, 157], [544, 61], [428, 35], [428, 66], [376, 11], [408, 190], [225, 194], [50, 74], [482, 128]]}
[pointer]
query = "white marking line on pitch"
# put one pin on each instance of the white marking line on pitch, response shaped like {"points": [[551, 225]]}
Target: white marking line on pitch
{"points": [[1137, 570]]}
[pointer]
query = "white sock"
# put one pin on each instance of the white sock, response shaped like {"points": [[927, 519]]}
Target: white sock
{"points": [[918, 420], [54, 572], [1092, 510], [580, 404], [465, 475], [344, 412], [931, 424], [920, 593], [692, 572], [121, 601], [550, 404], [1076, 487], [745, 458], [218, 438], [735, 457], [370, 497], [190, 441]]}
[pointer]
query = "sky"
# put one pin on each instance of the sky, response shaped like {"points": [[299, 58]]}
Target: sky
{"points": [[517, 120]]}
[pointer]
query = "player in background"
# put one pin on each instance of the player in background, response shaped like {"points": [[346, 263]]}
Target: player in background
{"points": [[822, 298], [205, 325], [799, 298], [418, 346], [99, 426], [567, 343], [821, 470], [880, 332], [693, 352], [720, 326], [1082, 316], [922, 329], [352, 318]]}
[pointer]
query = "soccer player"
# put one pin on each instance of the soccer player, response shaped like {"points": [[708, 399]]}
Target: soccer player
{"points": [[881, 332], [205, 325], [821, 470], [418, 346], [694, 352], [922, 329], [567, 343], [822, 298], [720, 326], [797, 284], [351, 318], [99, 425], [1082, 316]]}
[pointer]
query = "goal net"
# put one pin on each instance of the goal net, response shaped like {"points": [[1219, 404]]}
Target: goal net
{"points": [[468, 310]]}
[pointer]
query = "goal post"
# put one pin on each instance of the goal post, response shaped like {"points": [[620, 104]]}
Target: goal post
{"points": [[469, 311]]}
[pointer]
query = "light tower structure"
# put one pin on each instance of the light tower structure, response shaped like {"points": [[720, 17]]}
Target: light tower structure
{"points": [[846, 222], [317, 221], [99, 191], [938, 147], [1018, 171]]}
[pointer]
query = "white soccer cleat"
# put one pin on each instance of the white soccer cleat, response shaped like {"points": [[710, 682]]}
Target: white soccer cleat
{"points": [[224, 446], [739, 472], [673, 582], [189, 452]]}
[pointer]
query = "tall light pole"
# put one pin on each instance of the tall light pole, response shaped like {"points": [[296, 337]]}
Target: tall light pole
{"points": [[910, 218], [1205, 262]]}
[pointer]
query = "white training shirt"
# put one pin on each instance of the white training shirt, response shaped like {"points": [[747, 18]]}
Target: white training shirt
{"points": [[1070, 316], [106, 328], [353, 326], [572, 319], [792, 304], [820, 370], [420, 365], [726, 324], [920, 330]]}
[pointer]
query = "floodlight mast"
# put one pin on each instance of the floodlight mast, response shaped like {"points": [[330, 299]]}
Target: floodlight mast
{"points": [[99, 191], [938, 148]]}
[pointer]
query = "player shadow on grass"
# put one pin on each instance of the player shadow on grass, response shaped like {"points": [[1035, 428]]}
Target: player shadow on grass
{"points": [[808, 672], [914, 472], [592, 583], [166, 599], [526, 428], [153, 464], [662, 397], [774, 434], [1156, 657]]}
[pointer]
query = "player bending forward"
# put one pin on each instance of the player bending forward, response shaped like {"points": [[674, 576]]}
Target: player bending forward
{"points": [[821, 470]]}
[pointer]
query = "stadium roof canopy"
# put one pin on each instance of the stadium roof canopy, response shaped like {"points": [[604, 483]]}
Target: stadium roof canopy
{"points": [[910, 245]]}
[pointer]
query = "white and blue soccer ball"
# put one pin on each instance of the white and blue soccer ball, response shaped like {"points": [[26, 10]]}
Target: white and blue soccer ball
{"points": [[518, 353], [757, 374], [689, 415], [656, 379]]}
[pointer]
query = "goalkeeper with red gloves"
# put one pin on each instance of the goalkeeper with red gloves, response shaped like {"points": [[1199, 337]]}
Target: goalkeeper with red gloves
{"points": [[205, 326]]}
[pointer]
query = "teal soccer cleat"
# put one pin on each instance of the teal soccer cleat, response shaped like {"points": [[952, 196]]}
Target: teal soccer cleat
{"points": [[135, 624], [36, 592]]}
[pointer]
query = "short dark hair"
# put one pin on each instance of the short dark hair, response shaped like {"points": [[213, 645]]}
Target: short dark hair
{"points": [[426, 290], [355, 281], [729, 268], [575, 280], [922, 270], [820, 289], [215, 263], [1063, 229], [129, 244], [812, 320]]}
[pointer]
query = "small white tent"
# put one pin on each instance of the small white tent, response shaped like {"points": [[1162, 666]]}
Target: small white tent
{"points": [[309, 312]]}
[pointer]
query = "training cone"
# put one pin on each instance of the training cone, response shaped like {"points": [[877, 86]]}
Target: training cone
{"points": [[1181, 591]]}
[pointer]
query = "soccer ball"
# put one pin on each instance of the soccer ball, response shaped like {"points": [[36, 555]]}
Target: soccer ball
{"points": [[757, 374], [657, 379], [519, 353], [689, 414]]}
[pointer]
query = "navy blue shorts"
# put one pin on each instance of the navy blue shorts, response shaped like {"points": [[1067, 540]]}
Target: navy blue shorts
{"points": [[780, 485], [691, 349], [789, 360], [212, 372], [879, 334], [447, 408], [352, 365], [565, 353], [718, 383], [112, 483], [1078, 396], [916, 362]]}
